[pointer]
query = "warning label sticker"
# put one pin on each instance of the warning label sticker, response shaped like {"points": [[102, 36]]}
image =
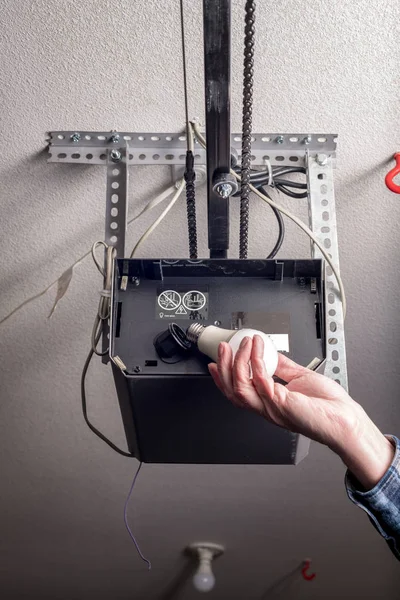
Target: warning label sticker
{"points": [[182, 303]]}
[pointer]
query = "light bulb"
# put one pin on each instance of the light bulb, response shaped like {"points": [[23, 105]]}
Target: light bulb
{"points": [[204, 582], [204, 579], [209, 338]]}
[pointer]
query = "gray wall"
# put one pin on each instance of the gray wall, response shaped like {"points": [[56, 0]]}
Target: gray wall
{"points": [[320, 66]]}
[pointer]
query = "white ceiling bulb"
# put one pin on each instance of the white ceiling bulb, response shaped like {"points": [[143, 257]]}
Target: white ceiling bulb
{"points": [[209, 338], [205, 552]]}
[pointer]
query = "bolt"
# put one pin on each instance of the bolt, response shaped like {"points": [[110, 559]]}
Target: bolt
{"points": [[136, 280], [279, 139], [321, 159], [114, 138], [217, 323], [115, 155], [76, 137], [307, 139], [137, 369], [224, 190]]}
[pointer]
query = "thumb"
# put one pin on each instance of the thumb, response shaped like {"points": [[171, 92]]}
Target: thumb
{"points": [[288, 370]]}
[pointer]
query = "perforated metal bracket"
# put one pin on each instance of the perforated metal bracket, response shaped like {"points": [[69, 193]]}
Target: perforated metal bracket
{"points": [[116, 199], [116, 212], [90, 147], [322, 213]]}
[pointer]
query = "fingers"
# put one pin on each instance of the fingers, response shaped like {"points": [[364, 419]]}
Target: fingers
{"points": [[272, 395], [241, 369], [287, 369], [225, 369], [260, 374], [234, 380], [244, 392], [213, 369]]}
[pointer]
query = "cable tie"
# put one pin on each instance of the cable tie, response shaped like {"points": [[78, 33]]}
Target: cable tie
{"points": [[105, 293]]}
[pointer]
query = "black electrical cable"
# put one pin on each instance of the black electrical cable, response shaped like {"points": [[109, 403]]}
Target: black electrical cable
{"points": [[190, 175], [255, 178], [84, 410], [285, 190], [249, 38], [281, 227], [279, 181]]}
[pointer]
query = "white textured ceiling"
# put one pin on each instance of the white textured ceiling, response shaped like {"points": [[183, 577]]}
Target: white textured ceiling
{"points": [[116, 65]]}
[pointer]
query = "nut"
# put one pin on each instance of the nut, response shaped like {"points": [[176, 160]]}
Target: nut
{"points": [[322, 159], [115, 155]]}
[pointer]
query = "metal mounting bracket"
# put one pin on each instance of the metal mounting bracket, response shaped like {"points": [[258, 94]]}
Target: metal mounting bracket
{"points": [[322, 213], [316, 152], [170, 148], [117, 198]]}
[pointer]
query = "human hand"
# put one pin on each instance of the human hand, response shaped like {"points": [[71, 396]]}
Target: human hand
{"points": [[310, 404]]}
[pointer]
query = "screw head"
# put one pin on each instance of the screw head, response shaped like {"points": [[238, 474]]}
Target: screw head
{"points": [[137, 369], [217, 323], [321, 159], [136, 280], [75, 137], [224, 190], [307, 139], [279, 139], [114, 138], [115, 155]]}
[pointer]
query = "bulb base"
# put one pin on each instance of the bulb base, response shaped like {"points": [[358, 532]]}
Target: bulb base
{"points": [[194, 331]]}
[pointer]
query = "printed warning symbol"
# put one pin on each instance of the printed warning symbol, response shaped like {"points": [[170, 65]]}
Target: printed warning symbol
{"points": [[194, 300], [169, 300], [182, 304]]}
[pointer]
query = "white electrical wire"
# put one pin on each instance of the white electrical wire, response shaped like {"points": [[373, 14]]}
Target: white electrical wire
{"points": [[103, 311], [190, 138], [293, 218], [152, 204], [152, 227]]}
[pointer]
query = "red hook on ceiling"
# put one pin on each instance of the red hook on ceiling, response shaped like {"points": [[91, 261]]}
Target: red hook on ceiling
{"points": [[390, 176], [306, 566]]}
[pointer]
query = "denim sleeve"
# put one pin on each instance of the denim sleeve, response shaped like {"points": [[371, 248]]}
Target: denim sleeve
{"points": [[382, 503]]}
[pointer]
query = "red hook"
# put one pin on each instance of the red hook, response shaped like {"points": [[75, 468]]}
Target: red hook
{"points": [[306, 566], [395, 171]]}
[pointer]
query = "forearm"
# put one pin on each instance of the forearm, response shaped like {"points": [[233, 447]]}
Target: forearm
{"points": [[382, 502], [366, 452]]}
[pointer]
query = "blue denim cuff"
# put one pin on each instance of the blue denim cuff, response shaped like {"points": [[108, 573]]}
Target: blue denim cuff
{"points": [[382, 502]]}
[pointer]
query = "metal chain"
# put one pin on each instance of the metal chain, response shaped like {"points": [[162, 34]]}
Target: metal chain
{"points": [[190, 177], [249, 38]]}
